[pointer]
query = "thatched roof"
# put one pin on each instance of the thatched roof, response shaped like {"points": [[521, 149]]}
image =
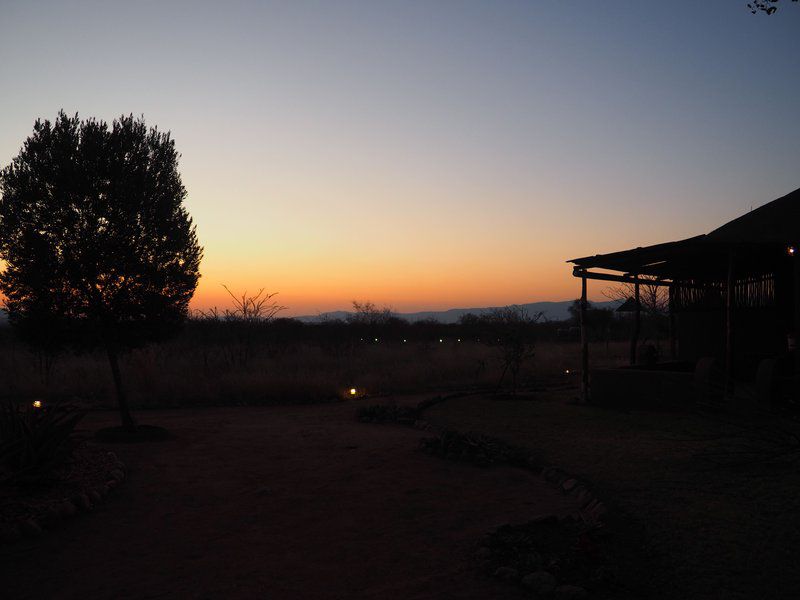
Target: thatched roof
{"points": [[777, 222], [765, 232]]}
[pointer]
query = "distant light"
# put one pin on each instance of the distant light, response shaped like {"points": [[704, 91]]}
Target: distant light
{"points": [[458, 340], [404, 341], [440, 341], [376, 339], [353, 391], [37, 404], [791, 250], [566, 372]]}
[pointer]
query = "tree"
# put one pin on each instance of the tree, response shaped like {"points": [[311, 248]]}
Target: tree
{"points": [[765, 6], [99, 251], [512, 331], [367, 313], [244, 322], [653, 298]]}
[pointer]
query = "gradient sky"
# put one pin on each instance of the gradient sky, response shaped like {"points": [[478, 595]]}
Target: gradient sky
{"points": [[433, 154]]}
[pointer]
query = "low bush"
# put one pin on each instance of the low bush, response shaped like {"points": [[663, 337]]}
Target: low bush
{"points": [[388, 413], [34, 442], [548, 552], [474, 448]]}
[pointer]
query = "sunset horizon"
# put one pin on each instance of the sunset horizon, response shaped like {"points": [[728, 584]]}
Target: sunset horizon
{"points": [[427, 157]]}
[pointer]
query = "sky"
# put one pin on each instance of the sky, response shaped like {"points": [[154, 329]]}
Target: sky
{"points": [[433, 154]]}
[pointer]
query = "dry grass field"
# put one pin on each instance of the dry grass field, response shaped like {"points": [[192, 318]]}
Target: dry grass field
{"points": [[190, 372]]}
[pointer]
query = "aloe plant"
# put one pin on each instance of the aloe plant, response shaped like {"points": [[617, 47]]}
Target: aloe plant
{"points": [[34, 441]]}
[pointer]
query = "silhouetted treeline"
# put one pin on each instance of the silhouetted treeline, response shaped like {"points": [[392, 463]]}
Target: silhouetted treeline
{"points": [[602, 324]]}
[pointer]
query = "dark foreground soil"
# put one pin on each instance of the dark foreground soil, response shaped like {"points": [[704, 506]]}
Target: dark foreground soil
{"points": [[280, 502], [715, 496]]}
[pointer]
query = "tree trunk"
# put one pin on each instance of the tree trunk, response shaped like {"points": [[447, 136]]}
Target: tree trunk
{"points": [[124, 410]]}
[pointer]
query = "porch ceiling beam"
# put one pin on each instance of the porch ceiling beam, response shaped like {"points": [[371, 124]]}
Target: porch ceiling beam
{"points": [[578, 272]]}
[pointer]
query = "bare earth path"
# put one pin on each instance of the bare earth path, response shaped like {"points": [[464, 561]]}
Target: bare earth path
{"points": [[279, 502]]}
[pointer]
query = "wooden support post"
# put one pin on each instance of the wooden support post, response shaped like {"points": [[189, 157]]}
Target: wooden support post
{"points": [[637, 323], [584, 345], [796, 327], [729, 291], [673, 353]]}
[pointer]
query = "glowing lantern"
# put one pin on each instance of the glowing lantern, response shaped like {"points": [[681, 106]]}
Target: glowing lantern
{"points": [[791, 250], [566, 372], [353, 391], [37, 404]]}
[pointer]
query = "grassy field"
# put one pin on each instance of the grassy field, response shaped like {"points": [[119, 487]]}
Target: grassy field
{"points": [[196, 372]]}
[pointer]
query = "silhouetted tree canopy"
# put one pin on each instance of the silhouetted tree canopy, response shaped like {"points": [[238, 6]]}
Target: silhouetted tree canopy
{"points": [[765, 6], [99, 250]]}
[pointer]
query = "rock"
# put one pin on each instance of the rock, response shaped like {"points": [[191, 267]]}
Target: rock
{"points": [[583, 495], [599, 510], [9, 533], [82, 501], [51, 516], [530, 562], [506, 573], [30, 527], [554, 475], [532, 462], [116, 475], [540, 582], [67, 509], [571, 592]]}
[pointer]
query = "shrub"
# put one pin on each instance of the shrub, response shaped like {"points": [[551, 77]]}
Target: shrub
{"points": [[34, 441], [474, 448], [387, 413]]}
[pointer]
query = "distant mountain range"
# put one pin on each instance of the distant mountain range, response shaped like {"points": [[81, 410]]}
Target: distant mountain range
{"points": [[552, 311]]}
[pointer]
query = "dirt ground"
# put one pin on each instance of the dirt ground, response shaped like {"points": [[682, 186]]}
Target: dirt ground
{"points": [[718, 523], [283, 503]]}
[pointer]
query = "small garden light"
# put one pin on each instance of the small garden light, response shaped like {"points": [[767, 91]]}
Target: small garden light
{"points": [[37, 404], [566, 372], [353, 391], [440, 341], [791, 250]]}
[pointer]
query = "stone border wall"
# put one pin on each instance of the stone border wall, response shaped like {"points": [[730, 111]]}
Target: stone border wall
{"points": [[51, 514]]}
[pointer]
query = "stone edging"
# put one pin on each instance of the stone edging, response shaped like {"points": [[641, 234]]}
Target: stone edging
{"points": [[591, 512], [49, 515]]}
